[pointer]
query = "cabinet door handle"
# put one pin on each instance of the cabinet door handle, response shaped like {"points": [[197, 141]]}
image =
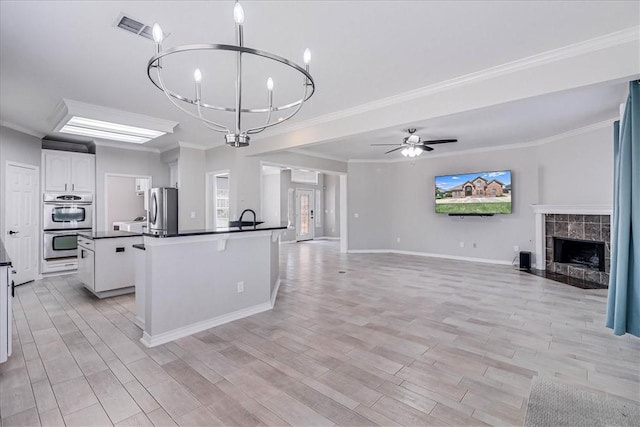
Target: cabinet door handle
{"points": [[13, 289], [73, 187], [65, 187]]}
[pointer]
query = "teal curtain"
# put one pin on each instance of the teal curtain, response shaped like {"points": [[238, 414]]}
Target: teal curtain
{"points": [[623, 303]]}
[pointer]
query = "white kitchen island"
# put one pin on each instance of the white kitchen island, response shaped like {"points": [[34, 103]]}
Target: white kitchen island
{"points": [[192, 281]]}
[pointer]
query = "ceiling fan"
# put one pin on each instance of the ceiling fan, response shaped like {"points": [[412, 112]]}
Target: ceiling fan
{"points": [[413, 145]]}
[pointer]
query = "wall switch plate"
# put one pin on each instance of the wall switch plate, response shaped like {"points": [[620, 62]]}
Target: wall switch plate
{"points": [[240, 287], [356, 215], [462, 244], [398, 240], [193, 215], [516, 248]]}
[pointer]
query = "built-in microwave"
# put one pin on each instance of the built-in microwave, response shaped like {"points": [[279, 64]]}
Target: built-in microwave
{"points": [[67, 211]]}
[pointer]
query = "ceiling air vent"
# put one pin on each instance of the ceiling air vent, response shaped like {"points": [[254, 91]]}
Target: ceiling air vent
{"points": [[135, 27]]}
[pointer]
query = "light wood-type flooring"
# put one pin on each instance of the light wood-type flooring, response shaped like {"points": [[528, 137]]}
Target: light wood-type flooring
{"points": [[357, 339]]}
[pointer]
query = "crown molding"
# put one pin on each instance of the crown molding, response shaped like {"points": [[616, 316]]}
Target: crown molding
{"points": [[591, 45], [125, 146], [21, 129], [517, 145]]}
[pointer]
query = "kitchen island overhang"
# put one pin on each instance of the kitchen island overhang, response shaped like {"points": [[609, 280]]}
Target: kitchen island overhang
{"points": [[192, 281]]}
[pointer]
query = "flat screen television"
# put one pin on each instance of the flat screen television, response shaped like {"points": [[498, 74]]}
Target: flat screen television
{"points": [[479, 193]]}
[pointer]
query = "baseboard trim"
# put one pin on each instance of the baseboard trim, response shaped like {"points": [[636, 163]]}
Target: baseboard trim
{"points": [[165, 337], [429, 255]]}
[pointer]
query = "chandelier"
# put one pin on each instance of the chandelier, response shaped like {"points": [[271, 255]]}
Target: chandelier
{"points": [[194, 106]]}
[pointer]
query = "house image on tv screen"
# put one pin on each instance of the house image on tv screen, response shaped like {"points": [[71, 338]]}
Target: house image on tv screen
{"points": [[479, 187], [474, 193]]}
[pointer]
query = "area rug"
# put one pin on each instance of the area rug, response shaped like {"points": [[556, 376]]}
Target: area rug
{"points": [[554, 404]]}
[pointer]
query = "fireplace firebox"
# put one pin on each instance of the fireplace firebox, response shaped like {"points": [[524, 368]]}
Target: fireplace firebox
{"points": [[586, 253]]}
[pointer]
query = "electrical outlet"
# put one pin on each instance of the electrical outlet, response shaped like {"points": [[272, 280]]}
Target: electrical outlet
{"points": [[240, 287], [193, 215], [398, 240], [356, 215], [462, 244], [516, 248]]}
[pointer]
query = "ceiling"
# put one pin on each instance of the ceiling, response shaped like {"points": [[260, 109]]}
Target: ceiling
{"points": [[361, 52]]}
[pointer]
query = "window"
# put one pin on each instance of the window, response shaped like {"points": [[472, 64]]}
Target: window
{"points": [[222, 200]]}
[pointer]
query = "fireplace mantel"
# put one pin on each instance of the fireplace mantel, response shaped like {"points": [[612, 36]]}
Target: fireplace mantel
{"points": [[541, 210], [573, 209]]}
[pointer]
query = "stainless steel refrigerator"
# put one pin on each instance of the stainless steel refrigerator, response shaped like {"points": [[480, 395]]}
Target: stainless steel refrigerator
{"points": [[163, 210]]}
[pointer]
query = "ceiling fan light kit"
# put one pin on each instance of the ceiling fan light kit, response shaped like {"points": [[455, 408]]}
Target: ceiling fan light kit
{"points": [[237, 136], [413, 145]]}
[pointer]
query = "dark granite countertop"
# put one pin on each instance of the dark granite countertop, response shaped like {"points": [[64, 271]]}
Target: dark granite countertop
{"points": [[95, 235], [4, 256], [222, 230]]}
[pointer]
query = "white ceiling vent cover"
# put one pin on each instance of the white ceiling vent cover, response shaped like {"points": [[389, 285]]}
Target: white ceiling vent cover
{"points": [[133, 26]]}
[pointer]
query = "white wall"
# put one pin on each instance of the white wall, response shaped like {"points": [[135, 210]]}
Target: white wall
{"points": [[271, 198], [331, 205], [191, 192], [124, 203], [20, 148], [369, 197], [578, 169], [126, 162], [395, 200]]}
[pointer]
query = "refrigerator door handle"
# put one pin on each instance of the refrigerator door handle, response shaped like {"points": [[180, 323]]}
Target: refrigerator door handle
{"points": [[154, 209]]}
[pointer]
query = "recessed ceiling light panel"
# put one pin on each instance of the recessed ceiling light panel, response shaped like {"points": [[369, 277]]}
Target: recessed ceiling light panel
{"points": [[93, 121]]}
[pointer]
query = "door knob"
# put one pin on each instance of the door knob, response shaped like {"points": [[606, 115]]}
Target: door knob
{"points": [[11, 232]]}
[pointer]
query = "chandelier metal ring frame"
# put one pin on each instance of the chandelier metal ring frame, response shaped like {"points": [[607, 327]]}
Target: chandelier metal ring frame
{"points": [[154, 63], [238, 138]]}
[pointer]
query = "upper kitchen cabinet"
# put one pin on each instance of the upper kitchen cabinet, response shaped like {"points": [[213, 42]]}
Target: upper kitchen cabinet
{"points": [[67, 172]]}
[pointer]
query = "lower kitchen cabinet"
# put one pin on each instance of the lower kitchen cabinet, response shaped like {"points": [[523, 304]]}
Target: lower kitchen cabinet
{"points": [[106, 264]]}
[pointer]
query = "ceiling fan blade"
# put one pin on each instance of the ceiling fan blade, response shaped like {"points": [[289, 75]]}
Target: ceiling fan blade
{"points": [[395, 149], [440, 141], [384, 144], [425, 148]]}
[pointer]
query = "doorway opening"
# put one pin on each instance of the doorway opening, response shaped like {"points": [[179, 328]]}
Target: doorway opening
{"points": [[218, 209], [308, 201], [126, 202]]}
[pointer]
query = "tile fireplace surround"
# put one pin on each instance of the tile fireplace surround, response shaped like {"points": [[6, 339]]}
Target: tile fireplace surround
{"points": [[589, 223]]}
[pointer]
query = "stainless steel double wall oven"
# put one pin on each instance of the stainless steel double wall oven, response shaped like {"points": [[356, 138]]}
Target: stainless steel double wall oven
{"points": [[62, 217]]}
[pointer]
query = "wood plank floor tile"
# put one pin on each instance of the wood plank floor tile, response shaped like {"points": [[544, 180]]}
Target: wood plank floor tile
{"points": [[395, 340]]}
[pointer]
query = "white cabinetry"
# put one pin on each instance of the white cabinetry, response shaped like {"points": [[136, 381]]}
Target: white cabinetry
{"points": [[68, 172], [106, 265], [5, 312]]}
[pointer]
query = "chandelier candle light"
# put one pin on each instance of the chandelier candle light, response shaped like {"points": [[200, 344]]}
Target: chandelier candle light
{"points": [[236, 137]]}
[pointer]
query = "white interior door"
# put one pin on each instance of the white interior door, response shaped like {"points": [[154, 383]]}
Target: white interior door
{"points": [[21, 224], [304, 214]]}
